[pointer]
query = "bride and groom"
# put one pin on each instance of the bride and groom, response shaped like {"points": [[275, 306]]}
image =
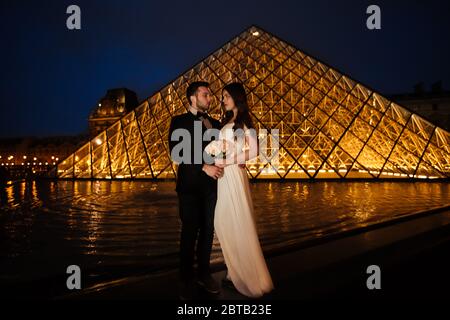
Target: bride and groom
{"points": [[216, 194]]}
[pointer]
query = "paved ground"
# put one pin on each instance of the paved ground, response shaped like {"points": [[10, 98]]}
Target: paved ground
{"points": [[411, 253]]}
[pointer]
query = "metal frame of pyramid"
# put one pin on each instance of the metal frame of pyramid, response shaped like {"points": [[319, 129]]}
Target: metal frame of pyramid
{"points": [[330, 126]]}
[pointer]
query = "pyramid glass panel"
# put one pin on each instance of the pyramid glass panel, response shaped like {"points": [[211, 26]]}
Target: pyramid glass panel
{"points": [[120, 166], [101, 165], [329, 126]]}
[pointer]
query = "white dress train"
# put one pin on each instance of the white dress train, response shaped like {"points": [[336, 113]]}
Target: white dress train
{"points": [[235, 228]]}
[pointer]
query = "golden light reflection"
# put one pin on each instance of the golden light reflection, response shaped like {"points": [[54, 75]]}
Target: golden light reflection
{"points": [[10, 194]]}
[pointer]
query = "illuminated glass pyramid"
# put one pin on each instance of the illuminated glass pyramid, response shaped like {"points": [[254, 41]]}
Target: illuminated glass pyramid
{"points": [[329, 125]]}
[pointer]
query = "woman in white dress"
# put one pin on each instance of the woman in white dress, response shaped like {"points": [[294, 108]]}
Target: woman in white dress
{"points": [[234, 220]]}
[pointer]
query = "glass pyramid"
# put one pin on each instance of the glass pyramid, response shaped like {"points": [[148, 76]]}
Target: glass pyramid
{"points": [[330, 126]]}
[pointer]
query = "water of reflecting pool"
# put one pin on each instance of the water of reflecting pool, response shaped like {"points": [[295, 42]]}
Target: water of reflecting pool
{"points": [[130, 225]]}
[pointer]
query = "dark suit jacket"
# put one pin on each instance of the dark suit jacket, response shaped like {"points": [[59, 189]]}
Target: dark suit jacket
{"points": [[190, 177]]}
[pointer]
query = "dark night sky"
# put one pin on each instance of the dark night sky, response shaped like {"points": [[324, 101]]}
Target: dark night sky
{"points": [[52, 77]]}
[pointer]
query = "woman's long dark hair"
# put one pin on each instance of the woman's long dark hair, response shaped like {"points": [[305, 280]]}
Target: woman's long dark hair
{"points": [[237, 93]]}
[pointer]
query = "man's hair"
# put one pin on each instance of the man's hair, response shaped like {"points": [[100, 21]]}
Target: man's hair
{"points": [[192, 89]]}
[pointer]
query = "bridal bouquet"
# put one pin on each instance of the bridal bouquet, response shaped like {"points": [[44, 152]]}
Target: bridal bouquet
{"points": [[219, 149]]}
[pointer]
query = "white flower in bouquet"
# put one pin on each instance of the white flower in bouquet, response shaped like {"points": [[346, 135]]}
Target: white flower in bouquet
{"points": [[220, 149]]}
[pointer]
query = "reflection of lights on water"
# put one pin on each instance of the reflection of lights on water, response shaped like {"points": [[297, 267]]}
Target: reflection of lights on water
{"points": [[10, 194], [287, 211]]}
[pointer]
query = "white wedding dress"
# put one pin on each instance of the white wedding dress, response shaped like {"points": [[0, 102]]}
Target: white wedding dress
{"points": [[235, 228]]}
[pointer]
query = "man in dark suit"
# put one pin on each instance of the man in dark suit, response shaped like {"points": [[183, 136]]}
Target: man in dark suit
{"points": [[197, 190]]}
